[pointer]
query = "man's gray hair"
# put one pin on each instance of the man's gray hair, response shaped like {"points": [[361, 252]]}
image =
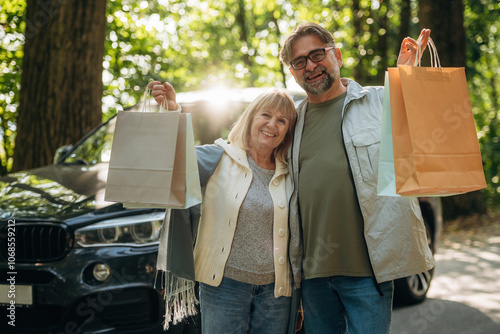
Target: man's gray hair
{"points": [[300, 31]]}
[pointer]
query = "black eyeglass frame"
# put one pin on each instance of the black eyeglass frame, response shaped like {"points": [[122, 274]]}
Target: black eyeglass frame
{"points": [[309, 57]]}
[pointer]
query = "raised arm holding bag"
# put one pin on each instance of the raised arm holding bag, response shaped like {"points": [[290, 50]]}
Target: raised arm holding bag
{"points": [[153, 160]]}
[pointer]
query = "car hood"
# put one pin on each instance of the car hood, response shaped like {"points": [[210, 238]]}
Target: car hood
{"points": [[55, 192]]}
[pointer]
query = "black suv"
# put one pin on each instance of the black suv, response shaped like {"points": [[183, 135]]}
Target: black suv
{"points": [[78, 264]]}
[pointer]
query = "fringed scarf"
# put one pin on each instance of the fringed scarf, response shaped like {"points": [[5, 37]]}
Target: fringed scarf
{"points": [[175, 266], [175, 262]]}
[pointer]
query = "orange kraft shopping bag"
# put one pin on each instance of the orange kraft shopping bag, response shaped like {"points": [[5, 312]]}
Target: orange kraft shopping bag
{"points": [[436, 151]]}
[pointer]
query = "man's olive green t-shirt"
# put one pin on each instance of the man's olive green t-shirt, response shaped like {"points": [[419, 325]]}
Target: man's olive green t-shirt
{"points": [[332, 223]]}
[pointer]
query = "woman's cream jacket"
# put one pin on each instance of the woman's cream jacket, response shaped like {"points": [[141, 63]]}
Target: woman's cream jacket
{"points": [[222, 198]]}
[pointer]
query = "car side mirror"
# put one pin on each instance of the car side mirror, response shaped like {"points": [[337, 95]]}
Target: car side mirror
{"points": [[61, 152]]}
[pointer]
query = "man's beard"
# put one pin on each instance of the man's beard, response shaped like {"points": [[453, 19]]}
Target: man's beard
{"points": [[325, 85]]}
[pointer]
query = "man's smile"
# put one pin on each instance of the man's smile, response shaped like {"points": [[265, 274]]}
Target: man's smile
{"points": [[315, 76]]}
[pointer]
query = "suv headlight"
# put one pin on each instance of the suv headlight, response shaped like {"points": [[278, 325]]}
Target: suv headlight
{"points": [[140, 230]]}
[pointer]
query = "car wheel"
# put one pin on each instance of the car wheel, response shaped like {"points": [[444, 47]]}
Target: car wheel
{"points": [[413, 289]]}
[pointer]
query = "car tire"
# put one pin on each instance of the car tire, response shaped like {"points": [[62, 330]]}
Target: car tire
{"points": [[413, 289]]}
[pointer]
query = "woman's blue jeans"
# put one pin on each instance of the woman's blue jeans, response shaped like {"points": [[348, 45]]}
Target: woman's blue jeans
{"points": [[341, 304], [236, 307]]}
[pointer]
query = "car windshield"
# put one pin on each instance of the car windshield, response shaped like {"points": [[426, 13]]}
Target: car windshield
{"points": [[95, 148]]}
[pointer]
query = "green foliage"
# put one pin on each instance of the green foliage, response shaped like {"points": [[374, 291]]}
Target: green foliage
{"points": [[202, 44], [483, 74], [194, 45], [11, 54]]}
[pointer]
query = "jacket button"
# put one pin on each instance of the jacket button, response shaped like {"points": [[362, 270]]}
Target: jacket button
{"points": [[281, 232], [281, 204], [281, 290], [276, 182], [281, 260]]}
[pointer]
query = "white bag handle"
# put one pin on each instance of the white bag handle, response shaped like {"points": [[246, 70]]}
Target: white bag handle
{"points": [[147, 104], [435, 62]]}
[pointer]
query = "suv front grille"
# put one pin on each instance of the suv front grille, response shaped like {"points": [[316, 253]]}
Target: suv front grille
{"points": [[40, 242]]}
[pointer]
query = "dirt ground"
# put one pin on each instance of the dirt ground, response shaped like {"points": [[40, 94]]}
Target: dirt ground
{"points": [[472, 231]]}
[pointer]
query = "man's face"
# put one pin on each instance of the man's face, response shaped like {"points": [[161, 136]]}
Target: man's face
{"points": [[316, 78]]}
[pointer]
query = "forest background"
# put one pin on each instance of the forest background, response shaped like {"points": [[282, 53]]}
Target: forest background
{"points": [[67, 65]]}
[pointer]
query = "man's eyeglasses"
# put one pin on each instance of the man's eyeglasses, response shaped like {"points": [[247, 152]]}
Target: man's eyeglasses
{"points": [[315, 56]]}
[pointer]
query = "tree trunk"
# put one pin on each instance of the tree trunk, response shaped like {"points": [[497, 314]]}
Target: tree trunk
{"points": [[404, 28], [278, 37], [449, 37], [448, 34], [242, 23], [383, 41], [61, 83], [356, 19]]}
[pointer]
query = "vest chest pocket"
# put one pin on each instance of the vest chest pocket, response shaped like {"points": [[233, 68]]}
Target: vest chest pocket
{"points": [[367, 146]]}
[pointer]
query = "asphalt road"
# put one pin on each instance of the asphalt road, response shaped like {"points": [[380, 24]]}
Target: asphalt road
{"points": [[464, 297]]}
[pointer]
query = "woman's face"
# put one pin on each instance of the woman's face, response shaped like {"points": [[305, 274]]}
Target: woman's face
{"points": [[268, 130]]}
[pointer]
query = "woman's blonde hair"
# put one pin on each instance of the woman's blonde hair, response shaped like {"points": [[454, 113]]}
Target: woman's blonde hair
{"points": [[274, 99]]}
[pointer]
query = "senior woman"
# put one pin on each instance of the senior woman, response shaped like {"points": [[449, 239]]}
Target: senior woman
{"points": [[241, 251]]}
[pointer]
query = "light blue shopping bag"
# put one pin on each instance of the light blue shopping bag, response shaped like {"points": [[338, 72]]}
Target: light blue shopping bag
{"points": [[386, 185]]}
